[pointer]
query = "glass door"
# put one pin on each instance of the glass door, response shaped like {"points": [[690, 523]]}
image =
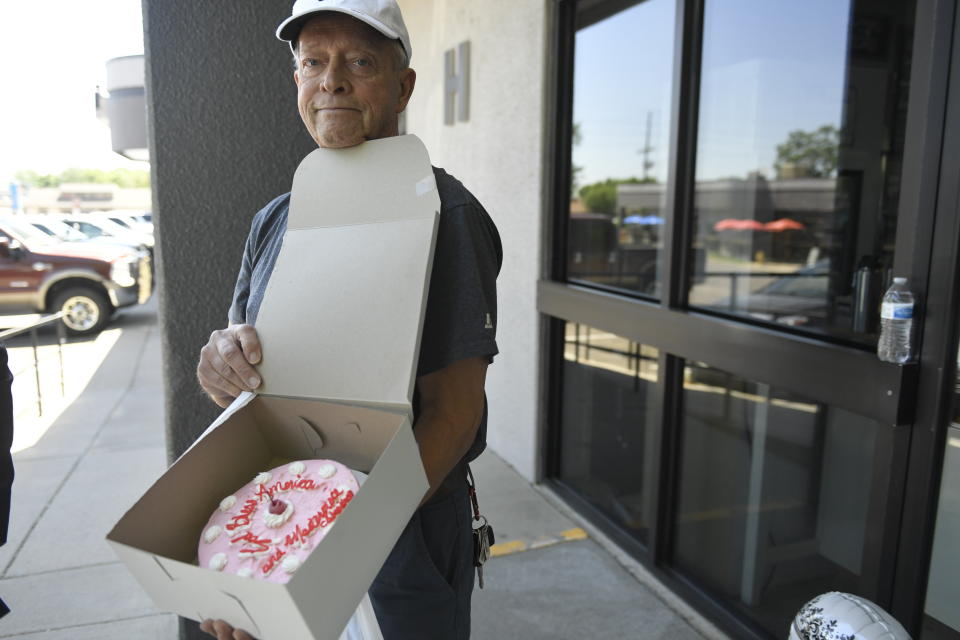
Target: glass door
{"points": [[716, 402], [942, 617]]}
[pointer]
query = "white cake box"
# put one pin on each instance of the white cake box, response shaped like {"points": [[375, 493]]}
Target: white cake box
{"points": [[340, 327]]}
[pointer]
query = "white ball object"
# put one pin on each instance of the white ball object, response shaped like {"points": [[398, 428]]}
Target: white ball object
{"points": [[218, 562], [842, 616], [296, 468], [211, 534], [290, 564], [326, 471]]}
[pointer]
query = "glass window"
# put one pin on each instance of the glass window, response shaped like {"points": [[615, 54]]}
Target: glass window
{"points": [[609, 405], [942, 618], [799, 149], [773, 495], [621, 117]]}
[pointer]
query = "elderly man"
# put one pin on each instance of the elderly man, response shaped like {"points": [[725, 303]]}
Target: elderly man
{"points": [[353, 81]]}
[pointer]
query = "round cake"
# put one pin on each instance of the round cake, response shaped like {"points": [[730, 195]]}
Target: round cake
{"points": [[270, 525]]}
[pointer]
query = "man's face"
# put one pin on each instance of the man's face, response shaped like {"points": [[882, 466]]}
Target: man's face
{"points": [[348, 86]]}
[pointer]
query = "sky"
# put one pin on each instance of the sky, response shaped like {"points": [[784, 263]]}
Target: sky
{"points": [[769, 68], [787, 75], [52, 58]]}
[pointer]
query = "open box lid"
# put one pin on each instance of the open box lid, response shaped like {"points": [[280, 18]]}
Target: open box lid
{"points": [[351, 334]]}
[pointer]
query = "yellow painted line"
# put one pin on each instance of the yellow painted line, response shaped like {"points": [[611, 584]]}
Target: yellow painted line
{"points": [[506, 548], [543, 542], [574, 534], [516, 546]]}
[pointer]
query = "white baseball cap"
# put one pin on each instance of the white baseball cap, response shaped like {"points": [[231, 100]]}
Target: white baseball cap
{"points": [[382, 15]]}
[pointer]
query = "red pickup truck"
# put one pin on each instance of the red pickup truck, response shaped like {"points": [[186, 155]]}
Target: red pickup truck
{"points": [[87, 282]]}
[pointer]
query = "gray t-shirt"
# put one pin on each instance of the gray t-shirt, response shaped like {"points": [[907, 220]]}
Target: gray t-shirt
{"points": [[461, 315]]}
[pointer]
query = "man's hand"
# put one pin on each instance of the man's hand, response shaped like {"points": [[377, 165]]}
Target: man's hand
{"points": [[225, 367], [223, 631]]}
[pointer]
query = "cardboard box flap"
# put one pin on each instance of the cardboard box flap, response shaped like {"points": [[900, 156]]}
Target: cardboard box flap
{"points": [[377, 181], [342, 313]]}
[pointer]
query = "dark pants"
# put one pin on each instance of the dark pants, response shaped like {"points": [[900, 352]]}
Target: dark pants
{"points": [[6, 442], [423, 590], [6, 461]]}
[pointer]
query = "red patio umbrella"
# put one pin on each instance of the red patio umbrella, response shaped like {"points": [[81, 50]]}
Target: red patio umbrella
{"points": [[738, 225], [784, 224]]}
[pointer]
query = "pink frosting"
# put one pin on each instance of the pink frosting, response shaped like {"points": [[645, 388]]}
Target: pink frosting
{"points": [[247, 540]]}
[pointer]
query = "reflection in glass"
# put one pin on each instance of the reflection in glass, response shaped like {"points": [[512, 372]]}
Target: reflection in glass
{"points": [[942, 617], [609, 400], [941, 620], [800, 144], [773, 495], [621, 116]]}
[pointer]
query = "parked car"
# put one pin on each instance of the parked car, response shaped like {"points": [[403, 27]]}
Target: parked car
{"points": [[94, 226], [62, 231], [85, 281], [65, 233], [799, 298], [128, 220]]}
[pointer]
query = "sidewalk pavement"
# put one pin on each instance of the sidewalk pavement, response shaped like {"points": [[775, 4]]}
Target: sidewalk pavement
{"points": [[552, 577]]}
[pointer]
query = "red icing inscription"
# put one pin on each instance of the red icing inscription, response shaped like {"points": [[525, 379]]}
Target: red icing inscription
{"points": [[272, 551], [252, 544], [301, 484], [333, 506], [242, 519], [272, 561]]}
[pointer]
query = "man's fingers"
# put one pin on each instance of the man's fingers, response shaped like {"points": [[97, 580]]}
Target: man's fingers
{"points": [[225, 370], [240, 634], [230, 353], [249, 342], [216, 384], [224, 630], [220, 368], [207, 626]]}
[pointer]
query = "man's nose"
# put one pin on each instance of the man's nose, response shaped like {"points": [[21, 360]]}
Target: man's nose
{"points": [[335, 80]]}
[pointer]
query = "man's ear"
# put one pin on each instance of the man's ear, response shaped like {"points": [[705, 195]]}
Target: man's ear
{"points": [[296, 78], [408, 79]]}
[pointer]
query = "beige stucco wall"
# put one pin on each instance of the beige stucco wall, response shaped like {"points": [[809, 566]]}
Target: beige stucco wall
{"points": [[498, 156]]}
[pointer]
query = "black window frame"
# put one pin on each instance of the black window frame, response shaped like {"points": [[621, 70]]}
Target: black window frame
{"points": [[904, 397]]}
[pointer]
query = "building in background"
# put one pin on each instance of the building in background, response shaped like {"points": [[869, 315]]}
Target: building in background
{"points": [[84, 197], [701, 203]]}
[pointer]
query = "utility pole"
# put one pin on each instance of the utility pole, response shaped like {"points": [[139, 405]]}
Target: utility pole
{"points": [[647, 149]]}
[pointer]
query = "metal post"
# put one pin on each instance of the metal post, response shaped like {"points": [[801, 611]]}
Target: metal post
{"points": [[734, 284], [576, 342], [36, 369], [61, 339]]}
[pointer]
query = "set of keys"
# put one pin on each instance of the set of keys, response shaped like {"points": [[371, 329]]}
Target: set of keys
{"points": [[483, 537]]}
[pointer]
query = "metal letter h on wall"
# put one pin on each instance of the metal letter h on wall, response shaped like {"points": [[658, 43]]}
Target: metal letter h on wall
{"points": [[456, 84]]}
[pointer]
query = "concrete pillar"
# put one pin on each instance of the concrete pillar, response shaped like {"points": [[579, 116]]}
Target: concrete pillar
{"points": [[225, 139]]}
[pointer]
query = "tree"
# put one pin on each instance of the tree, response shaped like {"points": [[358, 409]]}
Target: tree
{"points": [[575, 170], [34, 179], [123, 178], [601, 197], [815, 152]]}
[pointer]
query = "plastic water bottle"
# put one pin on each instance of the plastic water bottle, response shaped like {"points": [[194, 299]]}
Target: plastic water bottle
{"points": [[896, 324]]}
